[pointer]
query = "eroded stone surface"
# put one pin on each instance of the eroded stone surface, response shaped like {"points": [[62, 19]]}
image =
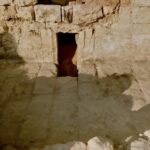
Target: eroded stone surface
{"points": [[49, 13], [99, 144]]}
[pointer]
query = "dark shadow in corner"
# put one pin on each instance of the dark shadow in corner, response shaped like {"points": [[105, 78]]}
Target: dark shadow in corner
{"points": [[80, 109], [8, 48]]}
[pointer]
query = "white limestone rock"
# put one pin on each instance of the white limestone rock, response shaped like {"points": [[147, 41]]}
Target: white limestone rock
{"points": [[147, 133], [67, 14], [87, 13], [7, 13], [107, 10], [27, 47], [141, 15], [5, 2], [140, 144], [25, 13], [36, 43], [78, 146], [25, 2], [48, 13], [99, 144], [141, 2]]}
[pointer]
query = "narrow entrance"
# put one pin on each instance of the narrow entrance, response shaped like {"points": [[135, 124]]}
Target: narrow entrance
{"points": [[67, 62], [54, 2]]}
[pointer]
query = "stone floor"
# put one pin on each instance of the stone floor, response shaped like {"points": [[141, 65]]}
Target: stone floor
{"points": [[36, 109]]}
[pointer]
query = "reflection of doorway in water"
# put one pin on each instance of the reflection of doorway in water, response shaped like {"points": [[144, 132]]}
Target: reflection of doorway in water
{"points": [[66, 54]]}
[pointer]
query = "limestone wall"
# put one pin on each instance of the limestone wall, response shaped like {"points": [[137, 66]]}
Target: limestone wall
{"points": [[112, 34]]}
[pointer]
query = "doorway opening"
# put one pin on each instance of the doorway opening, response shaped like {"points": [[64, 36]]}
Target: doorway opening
{"points": [[67, 61], [54, 2]]}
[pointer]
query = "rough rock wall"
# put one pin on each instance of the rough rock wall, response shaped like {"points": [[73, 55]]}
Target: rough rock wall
{"points": [[110, 28], [34, 27], [112, 34]]}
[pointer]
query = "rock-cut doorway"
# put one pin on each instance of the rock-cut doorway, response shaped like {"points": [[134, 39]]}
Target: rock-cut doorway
{"points": [[67, 61], [54, 2]]}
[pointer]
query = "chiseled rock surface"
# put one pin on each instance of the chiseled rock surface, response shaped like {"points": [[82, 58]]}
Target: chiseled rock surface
{"points": [[25, 2], [78, 146], [6, 2], [48, 13], [25, 13], [7, 13], [99, 144], [141, 2], [140, 144], [88, 13]]}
